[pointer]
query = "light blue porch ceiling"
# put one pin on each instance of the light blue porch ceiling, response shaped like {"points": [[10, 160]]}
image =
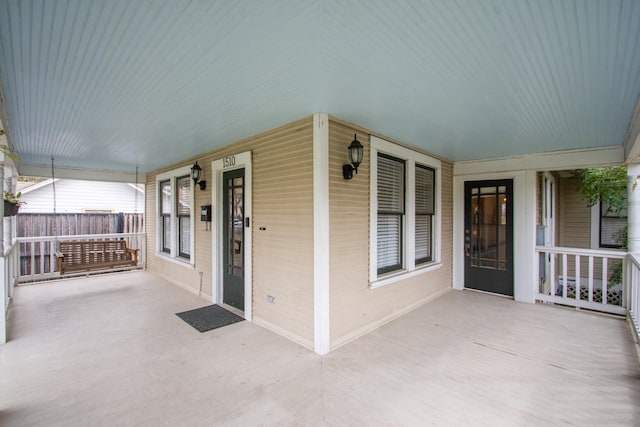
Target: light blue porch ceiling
{"points": [[111, 85]]}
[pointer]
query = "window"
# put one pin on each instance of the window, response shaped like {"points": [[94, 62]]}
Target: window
{"points": [[611, 226], [175, 214], [425, 208], [390, 213], [165, 215], [183, 210], [405, 191]]}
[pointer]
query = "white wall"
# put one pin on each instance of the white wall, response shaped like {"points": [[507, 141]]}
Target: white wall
{"points": [[74, 196]]}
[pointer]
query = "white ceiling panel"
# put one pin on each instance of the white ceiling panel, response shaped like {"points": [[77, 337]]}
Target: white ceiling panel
{"points": [[112, 85]]}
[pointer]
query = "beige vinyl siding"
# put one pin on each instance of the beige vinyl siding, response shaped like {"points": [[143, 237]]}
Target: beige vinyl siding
{"points": [[355, 308], [574, 216], [283, 253], [574, 227]]}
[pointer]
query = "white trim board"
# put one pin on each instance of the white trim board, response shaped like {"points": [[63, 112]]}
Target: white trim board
{"points": [[321, 285], [388, 318], [65, 172], [557, 160], [218, 167], [285, 333]]}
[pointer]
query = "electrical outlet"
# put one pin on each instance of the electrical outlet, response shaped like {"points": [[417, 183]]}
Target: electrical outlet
{"points": [[271, 299]]}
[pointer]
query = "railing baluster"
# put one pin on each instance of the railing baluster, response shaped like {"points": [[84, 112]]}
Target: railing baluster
{"points": [[42, 253], [578, 276], [552, 271], [591, 279], [565, 275], [605, 280], [32, 248], [52, 257]]}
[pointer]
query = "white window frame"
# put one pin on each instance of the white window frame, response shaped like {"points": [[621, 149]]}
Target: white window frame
{"points": [[409, 268], [173, 255], [595, 229]]}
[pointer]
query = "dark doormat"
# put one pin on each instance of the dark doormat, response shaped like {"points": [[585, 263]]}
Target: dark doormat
{"points": [[210, 317]]}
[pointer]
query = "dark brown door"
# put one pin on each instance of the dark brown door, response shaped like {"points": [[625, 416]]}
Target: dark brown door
{"points": [[488, 236]]}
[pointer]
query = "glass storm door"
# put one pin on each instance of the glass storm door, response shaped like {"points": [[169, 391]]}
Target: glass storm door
{"points": [[233, 239], [488, 236]]}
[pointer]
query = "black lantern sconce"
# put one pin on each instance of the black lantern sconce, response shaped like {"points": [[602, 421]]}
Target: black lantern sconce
{"points": [[356, 151], [196, 172]]}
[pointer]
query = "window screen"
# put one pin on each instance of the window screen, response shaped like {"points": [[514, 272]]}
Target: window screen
{"points": [[425, 185], [612, 226], [183, 210], [391, 204], [165, 214]]}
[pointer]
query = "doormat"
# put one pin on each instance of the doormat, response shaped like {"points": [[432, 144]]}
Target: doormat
{"points": [[210, 317]]}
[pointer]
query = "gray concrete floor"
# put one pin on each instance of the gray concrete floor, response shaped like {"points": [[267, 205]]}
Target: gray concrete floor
{"points": [[109, 351]]}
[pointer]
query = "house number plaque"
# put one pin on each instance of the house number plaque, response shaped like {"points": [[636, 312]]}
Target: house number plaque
{"points": [[229, 161]]}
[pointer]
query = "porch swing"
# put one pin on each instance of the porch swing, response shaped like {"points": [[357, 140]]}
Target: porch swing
{"points": [[87, 256]]}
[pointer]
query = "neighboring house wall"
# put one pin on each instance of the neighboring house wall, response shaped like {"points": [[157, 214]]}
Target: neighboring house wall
{"points": [[283, 253], [355, 307], [75, 196], [574, 216], [575, 228]]}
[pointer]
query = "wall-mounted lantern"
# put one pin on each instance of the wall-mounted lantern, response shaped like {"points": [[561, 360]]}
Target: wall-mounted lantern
{"points": [[356, 152], [196, 172]]}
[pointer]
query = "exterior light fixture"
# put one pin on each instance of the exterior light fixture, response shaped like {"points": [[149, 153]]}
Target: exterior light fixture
{"points": [[196, 172], [356, 151]]}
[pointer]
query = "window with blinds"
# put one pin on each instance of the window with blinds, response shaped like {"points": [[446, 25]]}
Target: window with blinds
{"points": [[183, 212], [406, 225], [425, 209], [612, 226], [391, 209], [174, 228], [165, 214]]}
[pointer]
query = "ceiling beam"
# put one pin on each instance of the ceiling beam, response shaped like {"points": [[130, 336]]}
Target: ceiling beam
{"points": [[65, 172], [555, 160]]}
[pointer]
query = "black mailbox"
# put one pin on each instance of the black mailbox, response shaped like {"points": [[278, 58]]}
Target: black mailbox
{"points": [[205, 213]]}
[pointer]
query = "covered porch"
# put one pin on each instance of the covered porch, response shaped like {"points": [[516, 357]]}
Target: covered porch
{"points": [[109, 350]]}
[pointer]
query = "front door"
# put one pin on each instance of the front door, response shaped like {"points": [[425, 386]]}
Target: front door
{"points": [[488, 235], [233, 238]]}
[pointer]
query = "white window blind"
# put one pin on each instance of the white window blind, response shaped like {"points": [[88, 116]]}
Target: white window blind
{"points": [[183, 210], [612, 226], [165, 212], [175, 214], [424, 195], [391, 205]]}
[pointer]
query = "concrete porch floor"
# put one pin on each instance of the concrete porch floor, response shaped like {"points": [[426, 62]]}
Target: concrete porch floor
{"points": [[109, 351]]}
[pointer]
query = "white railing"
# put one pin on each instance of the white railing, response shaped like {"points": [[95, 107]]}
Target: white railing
{"points": [[7, 273], [35, 256], [583, 278], [633, 280]]}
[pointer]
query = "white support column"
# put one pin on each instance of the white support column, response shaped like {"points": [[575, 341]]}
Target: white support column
{"points": [[633, 210], [4, 188], [3, 300], [321, 312], [3, 277], [524, 236]]}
